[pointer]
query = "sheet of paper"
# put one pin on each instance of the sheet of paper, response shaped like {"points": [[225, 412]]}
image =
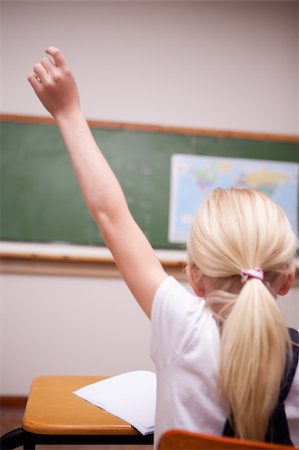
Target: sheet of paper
{"points": [[130, 396]]}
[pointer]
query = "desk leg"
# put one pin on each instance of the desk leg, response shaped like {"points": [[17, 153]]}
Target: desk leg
{"points": [[13, 439]]}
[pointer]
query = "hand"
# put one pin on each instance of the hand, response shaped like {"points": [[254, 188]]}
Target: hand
{"points": [[54, 84]]}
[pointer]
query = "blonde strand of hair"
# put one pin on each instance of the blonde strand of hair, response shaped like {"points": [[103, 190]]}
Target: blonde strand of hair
{"points": [[253, 355]]}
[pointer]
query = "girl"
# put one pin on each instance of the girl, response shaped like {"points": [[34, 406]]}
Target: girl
{"points": [[221, 353]]}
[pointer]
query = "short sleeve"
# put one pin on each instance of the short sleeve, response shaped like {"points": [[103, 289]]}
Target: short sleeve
{"points": [[175, 314]]}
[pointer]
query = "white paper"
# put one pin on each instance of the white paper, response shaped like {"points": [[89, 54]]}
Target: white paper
{"points": [[130, 396]]}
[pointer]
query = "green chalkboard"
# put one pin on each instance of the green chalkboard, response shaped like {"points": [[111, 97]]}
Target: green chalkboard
{"points": [[40, 198]]}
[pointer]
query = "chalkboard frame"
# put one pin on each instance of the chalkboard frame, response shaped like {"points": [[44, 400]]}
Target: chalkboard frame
{"points": [[156, 128]]}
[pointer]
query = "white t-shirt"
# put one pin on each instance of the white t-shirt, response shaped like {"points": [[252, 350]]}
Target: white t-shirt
{"points": [[185, 349]]}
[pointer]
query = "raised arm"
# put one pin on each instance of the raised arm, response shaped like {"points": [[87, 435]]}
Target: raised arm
{"points": [[56, 88]]}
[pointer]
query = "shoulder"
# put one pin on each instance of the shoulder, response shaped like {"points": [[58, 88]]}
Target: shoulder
{"points": [[174, 298], [178, 318]]}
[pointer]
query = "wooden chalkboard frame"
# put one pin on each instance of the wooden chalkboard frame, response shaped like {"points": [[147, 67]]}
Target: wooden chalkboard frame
{"points": [[27, 261], [43, 120]]}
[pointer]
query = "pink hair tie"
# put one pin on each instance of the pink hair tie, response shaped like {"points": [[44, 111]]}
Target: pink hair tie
{"points": [[252, 273]]}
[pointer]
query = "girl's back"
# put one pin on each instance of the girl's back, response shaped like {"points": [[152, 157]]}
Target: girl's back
{"points": [[185, 348]]}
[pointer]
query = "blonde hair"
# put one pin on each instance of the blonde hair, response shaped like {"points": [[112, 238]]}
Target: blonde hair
{"points": [[237, 229]]}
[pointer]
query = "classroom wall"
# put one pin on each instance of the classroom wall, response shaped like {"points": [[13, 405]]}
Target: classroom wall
{"points": [[231, 65], [227, 65]]}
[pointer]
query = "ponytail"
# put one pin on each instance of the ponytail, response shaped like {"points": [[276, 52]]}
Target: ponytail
{"points": [[235, 229], [253, 359]]}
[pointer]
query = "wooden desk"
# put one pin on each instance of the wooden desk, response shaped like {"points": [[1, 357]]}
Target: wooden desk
{"points": [[54, 415]]}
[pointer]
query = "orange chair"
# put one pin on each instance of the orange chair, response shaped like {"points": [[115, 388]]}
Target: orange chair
{"points": [[187, 440]]}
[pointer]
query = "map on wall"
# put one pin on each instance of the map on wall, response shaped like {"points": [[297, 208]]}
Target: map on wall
{"points": [[193, 177]]}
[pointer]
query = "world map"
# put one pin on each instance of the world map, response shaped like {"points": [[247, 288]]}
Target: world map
{"points": [[193, 177]]}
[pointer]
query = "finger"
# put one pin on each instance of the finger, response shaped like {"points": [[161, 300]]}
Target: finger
{"points": [[40, 72], [48, 65], [33, 80], [57, 56]]}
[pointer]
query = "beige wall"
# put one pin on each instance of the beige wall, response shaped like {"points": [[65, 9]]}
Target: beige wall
{"points": [[230, 65], [61, 325], [84, 326]]}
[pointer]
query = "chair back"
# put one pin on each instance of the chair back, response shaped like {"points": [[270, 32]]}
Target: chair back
{"points": [[187, 440]]}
